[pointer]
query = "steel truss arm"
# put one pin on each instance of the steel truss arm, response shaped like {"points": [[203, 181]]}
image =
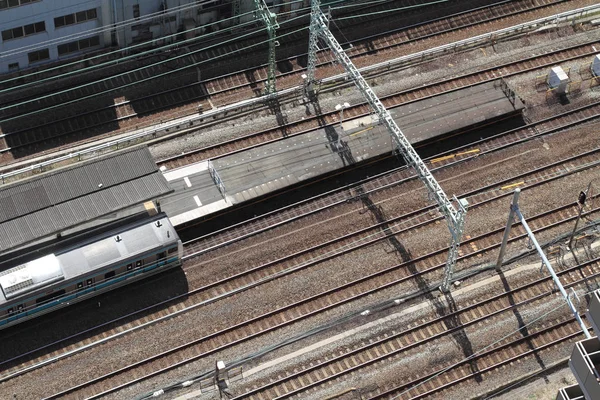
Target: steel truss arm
{"points": [[455, 218]]}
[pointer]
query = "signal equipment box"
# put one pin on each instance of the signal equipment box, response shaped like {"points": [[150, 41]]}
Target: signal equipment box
{"points": [[558, 79]]}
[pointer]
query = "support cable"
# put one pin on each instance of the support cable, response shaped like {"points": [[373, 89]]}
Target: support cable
{"points": [[118, 26], [141, 80]]}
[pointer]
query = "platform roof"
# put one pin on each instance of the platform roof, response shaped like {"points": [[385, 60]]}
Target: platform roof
{"points": [[61, 199]]}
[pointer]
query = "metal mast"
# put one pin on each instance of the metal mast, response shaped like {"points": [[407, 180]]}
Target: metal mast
{"points": [[313, 41], [235, 5], [455, 218], [515, 210], [270, 20]]}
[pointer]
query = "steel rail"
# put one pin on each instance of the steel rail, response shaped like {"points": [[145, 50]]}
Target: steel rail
{"points": [[154, 130], [361, 109], [423, 210], [287, 322], [470, 307], [289, 257]]}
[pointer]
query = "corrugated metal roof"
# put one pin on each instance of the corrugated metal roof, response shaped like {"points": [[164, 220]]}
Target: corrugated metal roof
{"points": [[55, 201], [55, 187]]}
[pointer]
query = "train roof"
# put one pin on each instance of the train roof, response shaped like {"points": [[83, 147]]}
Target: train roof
{"points": [[54, 201], [94, 253]]}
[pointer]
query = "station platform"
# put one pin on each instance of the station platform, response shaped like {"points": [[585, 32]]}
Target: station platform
{"points": [[208, 187]]}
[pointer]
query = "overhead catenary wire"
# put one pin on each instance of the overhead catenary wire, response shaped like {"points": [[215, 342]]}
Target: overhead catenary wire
{"points": [[118, 26], [139, 80], [360, 4], [135, 21], [121, 50], [104, 79], [114, 61], [153, 50], [378, 307], [168, 60], [391, 10], [128, 48]]}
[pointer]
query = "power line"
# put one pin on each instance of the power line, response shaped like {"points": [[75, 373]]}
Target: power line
{"points": [[120, 25], [370, 3], [121, 59], [391, 10], [148, 66], [115, 61], [138, 81], [110, 62]]}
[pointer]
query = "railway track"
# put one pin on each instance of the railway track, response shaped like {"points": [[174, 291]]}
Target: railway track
{"points": [[379, 43], [517, 350], [422, 268], [533, 177], [94, 120], [526, 64], [409, 342], [114, 385], [271, 270]]}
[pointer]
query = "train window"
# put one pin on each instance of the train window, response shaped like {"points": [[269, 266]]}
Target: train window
{"points": [[138, 263], [129, 267], [109, 275], [11, 311], [50, 296], [79, 285], [20, 308], [172, 250], [89, 281], [162, 255]]}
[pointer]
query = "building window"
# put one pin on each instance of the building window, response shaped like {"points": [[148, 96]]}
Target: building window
{"points": [[39, 55], [136, 11], [76, 18], [15, 3], [82, 44], [26, 30], [13, 67]]}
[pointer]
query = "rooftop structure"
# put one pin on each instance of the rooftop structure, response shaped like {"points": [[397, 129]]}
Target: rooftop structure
{"points": [[58, 200]]}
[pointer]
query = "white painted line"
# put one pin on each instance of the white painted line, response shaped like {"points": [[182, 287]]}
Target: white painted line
{"points": [[185, 171], [197, 199], [187, 181]]}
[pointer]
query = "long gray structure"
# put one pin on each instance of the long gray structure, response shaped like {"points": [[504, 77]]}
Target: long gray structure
{"points": [[58, 200], [262, 170]]}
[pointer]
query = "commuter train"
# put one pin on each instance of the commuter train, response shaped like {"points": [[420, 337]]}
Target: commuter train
{"points": [[86, 268]]}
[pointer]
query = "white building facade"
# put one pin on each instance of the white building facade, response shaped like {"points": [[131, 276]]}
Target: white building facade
{"points": [[39, 32]]}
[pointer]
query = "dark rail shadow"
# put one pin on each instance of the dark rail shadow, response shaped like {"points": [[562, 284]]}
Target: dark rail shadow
{"points": [[451, 321], [60, 324]]}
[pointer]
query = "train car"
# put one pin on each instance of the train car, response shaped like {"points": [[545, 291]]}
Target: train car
{"points": [[87, 268]]}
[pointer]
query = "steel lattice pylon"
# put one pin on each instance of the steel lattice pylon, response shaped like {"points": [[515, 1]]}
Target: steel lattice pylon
{"points": [[235, 5], [270, 20], [455, 218]]}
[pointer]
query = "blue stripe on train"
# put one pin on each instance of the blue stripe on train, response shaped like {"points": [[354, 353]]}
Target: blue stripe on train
{"points": [[82, 292]]}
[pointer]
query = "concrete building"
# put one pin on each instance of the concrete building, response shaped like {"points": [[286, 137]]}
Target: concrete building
{"points": [[38, 32]]}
